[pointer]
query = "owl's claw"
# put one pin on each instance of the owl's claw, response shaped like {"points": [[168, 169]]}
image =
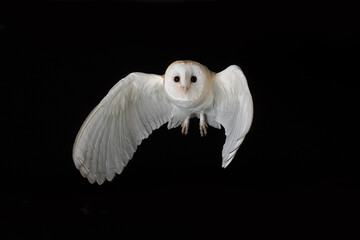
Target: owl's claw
{"points": [[203, 126], [203, 131], [185, 127]]}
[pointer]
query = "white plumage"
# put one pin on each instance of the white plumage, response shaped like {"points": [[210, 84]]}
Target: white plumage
{"points": [[141, 103]]}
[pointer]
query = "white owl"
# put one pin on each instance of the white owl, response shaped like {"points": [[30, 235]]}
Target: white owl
{"points": [[141, 103]]}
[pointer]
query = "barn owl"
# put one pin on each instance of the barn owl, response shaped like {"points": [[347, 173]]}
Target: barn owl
{"points": [[141, 103]]}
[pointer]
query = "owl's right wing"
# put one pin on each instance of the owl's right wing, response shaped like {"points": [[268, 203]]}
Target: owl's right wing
{"points": [[233, 109], [108, 138]]}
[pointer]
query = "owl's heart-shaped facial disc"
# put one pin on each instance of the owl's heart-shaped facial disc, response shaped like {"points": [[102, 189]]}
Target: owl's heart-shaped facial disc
{"points": [[187, 81]]}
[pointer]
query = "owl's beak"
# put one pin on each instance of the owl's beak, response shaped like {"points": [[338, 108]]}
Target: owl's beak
{"points": [[184, 88]]}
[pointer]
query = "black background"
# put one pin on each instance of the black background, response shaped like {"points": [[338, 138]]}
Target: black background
{"points": [[295, 175]]}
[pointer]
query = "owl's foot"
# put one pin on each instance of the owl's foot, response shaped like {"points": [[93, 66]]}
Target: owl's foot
{"points": [[203, 130], [203, 126], [185, 126]]}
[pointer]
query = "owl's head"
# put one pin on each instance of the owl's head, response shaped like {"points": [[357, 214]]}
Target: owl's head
{"points": [[187, 81]]}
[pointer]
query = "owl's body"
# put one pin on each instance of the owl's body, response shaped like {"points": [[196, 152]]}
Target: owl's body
{"points": [[191, 98], [141, 103]]}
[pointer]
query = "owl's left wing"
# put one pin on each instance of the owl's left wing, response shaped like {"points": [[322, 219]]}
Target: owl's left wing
{"points": [[108, 138], [233, 109]]}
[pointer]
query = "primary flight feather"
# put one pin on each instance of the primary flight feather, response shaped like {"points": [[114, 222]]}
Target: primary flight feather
{"points": [[141, 103]]}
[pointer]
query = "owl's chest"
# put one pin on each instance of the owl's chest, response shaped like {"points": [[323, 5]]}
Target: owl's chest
{"points": [[193, 108]]}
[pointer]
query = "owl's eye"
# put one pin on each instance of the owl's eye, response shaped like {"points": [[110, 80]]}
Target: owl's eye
{"points": [[193, 78], [176, 79]]}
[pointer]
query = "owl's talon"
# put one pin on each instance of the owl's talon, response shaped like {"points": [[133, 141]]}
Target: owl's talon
{"points": [[203, 126], [203, 131], [185, 127]]}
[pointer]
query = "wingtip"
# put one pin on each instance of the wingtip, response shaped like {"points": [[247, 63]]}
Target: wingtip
{"points": [[227, 162], [92, 178], [100, 180]]}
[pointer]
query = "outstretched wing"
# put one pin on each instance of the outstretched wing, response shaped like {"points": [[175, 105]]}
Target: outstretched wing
{"points": [[233, 109], [108, 138]]}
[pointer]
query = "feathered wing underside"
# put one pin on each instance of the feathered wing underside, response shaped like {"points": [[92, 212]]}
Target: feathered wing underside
{"points": [[233, 109], [108, 138]]}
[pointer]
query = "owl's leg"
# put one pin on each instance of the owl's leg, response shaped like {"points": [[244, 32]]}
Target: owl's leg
{"points": [[203, 125], [185, 126]]}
